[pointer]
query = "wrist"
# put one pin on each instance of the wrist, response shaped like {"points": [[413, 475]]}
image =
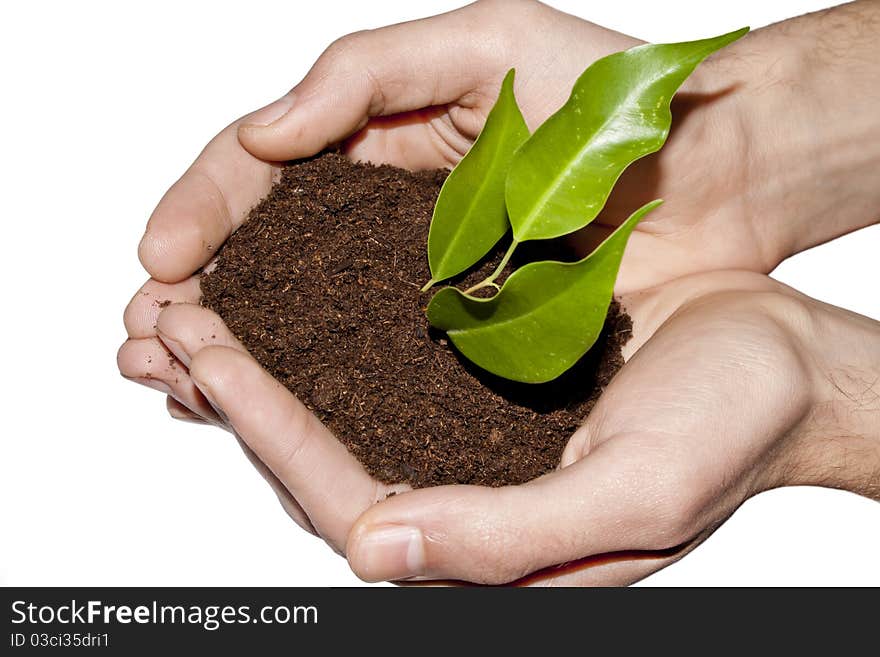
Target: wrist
{"points": [[803, 100], [838, 444]]}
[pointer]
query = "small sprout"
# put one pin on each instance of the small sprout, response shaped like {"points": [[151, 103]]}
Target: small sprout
{"points": [[548, 314]]}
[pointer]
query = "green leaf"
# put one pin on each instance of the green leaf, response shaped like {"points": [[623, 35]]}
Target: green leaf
{"points": [[618, 112], [470, 214], [546, 316]]}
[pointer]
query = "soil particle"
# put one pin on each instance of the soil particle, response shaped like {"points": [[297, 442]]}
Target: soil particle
{"points": [[321, 284]]}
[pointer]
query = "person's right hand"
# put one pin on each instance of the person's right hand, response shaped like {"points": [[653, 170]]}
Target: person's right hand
{"points": [[733, 384], [414, 95], [740, 183], [417, 94]]}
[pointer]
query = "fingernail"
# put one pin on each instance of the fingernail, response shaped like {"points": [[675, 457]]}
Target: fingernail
{"points": [[389, 552], [271, 113], [207, 394], [150, 382]]}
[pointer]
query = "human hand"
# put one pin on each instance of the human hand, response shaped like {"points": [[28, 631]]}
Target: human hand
{"points": [[740, 188], [734, 384], [417, 94], [414, 95]]}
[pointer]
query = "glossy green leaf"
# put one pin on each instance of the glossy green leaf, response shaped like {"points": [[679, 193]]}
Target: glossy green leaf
{"points": [[618, 111], [470, 214], [546, 316]]}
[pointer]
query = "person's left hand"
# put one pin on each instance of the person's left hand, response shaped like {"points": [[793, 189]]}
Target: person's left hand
{"points": [[732, 382]]}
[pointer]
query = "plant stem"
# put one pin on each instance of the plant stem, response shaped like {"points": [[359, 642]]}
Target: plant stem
{"points": [[490, 281], [428, 285]]}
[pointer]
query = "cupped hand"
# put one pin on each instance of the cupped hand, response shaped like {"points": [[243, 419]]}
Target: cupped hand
{"points": [[417, 94], [414, 95], [732, 385]]}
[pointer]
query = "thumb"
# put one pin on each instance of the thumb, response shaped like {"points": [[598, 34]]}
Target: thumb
{"points": [[318, 471], [496, 535], [379, 72]]}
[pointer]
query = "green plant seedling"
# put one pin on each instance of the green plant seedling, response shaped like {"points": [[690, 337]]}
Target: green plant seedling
{"points": [[548, 314]]}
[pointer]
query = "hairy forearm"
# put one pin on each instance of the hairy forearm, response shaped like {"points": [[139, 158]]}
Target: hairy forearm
{"points": [[839, 445], [807, 96], [799, 102]]}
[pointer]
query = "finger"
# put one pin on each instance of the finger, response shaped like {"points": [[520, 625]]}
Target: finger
{"points": [[203, 207], [149, 363], [288, 503], [180, 412], [605, 503], [142, 312], [381, 72], [185, 329], [320, 473], [423, 139], [336, 98]]}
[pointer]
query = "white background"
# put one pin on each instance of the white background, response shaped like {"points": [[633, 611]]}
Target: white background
{"points": [[103, 106]]}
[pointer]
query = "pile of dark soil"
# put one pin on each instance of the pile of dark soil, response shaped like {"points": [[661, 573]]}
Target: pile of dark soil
{"points": [[321, 284]]}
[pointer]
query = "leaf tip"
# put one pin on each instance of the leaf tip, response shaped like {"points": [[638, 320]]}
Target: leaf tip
{"points": [[507, 82], [730, 37]]}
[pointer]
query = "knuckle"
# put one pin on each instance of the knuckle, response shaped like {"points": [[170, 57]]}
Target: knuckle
{"points": [[499, 553], [505, 5], [122, 357], [208, 364], [346, 50], [131, 315], [298, 427], [506, 17]]}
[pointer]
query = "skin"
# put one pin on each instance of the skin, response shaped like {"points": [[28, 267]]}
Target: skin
{"points": [[770, 388]]}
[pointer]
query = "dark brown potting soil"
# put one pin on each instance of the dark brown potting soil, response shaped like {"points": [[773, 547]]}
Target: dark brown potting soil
{"points": [[321, 284]]}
